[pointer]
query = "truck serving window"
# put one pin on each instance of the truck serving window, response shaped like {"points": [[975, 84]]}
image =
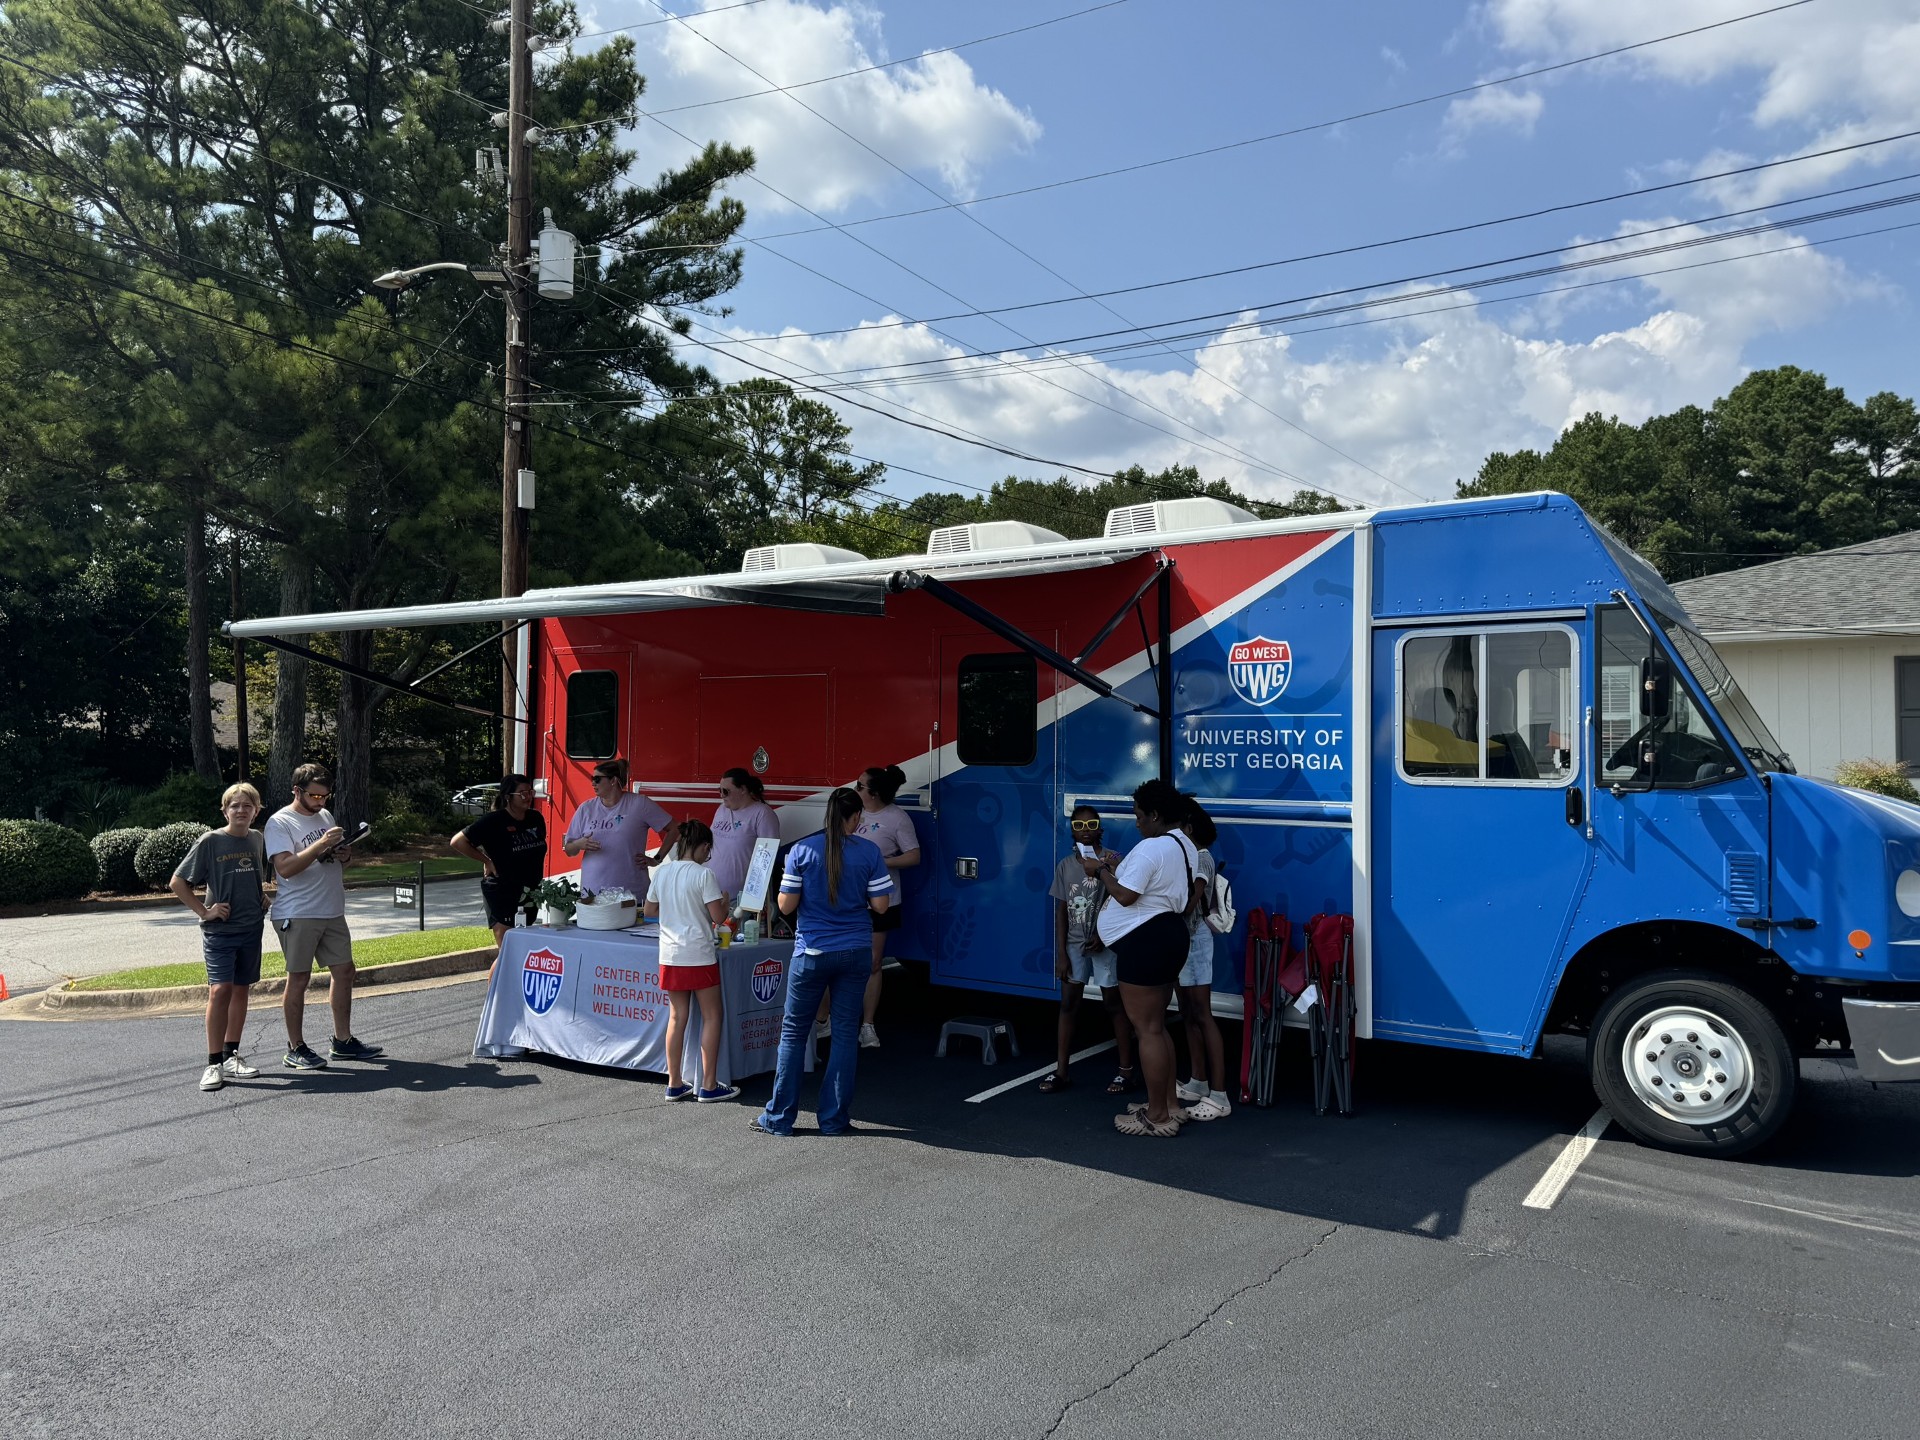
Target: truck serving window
{"points": [[1689, 751], [1489, 707], [997, 710], [593, 714]]}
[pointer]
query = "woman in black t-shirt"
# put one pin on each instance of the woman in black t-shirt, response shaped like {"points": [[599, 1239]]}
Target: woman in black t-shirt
{"points": [[510, 842]]}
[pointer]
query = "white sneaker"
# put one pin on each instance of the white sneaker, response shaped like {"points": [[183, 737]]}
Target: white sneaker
{"points": [[1192, 1090], [1214, 1107], [212, 1078], [235, 1067], [869, 1038]]}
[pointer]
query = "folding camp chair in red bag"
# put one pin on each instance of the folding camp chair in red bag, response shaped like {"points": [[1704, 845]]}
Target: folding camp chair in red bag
{"points": [[1330, 1019], [1252, 981]]}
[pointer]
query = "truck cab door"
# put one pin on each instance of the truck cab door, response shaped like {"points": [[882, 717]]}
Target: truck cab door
{"points": [[1480, 841]]}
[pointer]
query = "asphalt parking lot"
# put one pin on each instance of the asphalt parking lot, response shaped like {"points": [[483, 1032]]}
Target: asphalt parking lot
{"points": [[436, 1246]]}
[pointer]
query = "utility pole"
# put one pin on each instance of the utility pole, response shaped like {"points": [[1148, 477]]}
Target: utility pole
{"points": [[239, 656], [517, 449]]}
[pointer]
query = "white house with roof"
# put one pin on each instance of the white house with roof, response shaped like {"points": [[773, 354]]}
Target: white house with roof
{"points": [[1827, 646]]}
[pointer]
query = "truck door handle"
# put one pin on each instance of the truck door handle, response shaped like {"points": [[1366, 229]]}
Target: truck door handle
{"points": [[967, 868], [1576, 810]]}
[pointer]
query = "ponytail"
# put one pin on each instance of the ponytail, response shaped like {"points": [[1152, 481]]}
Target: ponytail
{"points": [[884, 781], [693, 834], [842, 805]]}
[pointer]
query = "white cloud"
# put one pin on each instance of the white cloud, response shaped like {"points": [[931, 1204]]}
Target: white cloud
{"points": [[929, 116], [1821, 75], [1494, 109], [1421, 400]]}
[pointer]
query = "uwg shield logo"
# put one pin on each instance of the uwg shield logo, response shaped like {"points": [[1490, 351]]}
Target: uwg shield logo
{"points": [[1259, 669], [541, 980], [766, 980]]}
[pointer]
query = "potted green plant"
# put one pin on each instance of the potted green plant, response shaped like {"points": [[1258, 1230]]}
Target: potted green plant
{"points": [[556, 899]]}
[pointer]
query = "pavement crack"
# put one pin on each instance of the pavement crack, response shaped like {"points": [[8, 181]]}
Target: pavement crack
{"points": [[1189, 1332]]}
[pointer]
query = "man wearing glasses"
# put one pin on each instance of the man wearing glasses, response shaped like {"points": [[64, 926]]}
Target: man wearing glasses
{"points": [[305, 848]]}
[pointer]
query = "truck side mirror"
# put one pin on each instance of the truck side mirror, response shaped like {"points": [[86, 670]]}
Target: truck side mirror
{"points": [[1656, 687]]}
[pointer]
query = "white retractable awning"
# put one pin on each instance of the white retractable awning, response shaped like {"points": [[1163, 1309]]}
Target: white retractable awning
{"points": [[856, 588]]}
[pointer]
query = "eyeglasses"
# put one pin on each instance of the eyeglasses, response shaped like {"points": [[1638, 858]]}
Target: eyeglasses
{"points": [[1084, 824], [725, 792], [606, 779], [313, 799], [859, 784]]}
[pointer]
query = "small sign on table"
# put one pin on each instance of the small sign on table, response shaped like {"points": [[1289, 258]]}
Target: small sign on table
{"points": [[403, 895]]}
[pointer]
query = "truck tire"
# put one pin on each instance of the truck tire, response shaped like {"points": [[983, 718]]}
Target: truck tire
{"points": [[1688, 1062]]}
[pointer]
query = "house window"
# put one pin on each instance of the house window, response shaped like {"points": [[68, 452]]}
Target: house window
{"points": [[1906, 678], [997, 710], [1490, 707], [593, 715]]}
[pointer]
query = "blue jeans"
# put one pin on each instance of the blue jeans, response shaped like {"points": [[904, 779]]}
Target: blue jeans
{"points": [[844, 973]]}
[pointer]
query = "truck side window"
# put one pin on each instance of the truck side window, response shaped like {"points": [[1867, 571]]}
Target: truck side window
{"points": [[997, 710], [1690, 752], [593, 714], [1489, 707]]}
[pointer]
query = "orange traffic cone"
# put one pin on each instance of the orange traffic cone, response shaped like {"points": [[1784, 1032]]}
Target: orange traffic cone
{"points": [[3, 987]]}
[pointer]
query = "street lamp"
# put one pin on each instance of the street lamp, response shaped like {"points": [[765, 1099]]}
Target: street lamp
{"points": [[493, 277]]}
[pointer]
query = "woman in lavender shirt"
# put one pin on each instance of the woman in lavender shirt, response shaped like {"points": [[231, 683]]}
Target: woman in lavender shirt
{"points": [[743, 817], [891, 828], [609, 833]]}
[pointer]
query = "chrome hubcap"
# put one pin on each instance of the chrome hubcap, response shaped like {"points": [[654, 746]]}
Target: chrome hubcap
{"points": [[1688, 1064]]}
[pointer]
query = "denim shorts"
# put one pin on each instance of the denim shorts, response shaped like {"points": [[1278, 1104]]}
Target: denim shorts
{"points": [[1097, 967], [1199, 967], [231, 959]]}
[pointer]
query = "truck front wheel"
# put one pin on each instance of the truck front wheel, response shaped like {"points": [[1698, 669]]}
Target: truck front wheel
{"points": [[1691, 1063]]}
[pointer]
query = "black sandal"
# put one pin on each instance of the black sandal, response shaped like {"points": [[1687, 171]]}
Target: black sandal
{"points": [[1055, 1083], [1123, 1081]]}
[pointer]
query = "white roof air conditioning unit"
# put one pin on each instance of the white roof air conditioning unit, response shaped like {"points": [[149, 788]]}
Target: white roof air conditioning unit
{"points": [[1164, 517], [990, 535], [803, 556]]}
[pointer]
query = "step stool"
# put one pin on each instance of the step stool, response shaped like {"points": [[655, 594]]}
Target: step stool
{"points": [[982, 1028]]}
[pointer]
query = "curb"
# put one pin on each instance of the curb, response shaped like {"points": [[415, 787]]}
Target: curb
{"points": [[458, 962]]}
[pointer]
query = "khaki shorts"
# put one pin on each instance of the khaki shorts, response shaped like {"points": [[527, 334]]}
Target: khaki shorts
{"points": [[304, 941]]}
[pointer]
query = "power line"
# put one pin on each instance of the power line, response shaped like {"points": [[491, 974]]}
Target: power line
{"points": [[841, 75], [1289, 133], [1241, 457], [1618, 256], [1410, 239]]}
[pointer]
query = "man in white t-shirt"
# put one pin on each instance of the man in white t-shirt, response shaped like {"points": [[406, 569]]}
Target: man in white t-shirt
{"points": [[308, 855]]}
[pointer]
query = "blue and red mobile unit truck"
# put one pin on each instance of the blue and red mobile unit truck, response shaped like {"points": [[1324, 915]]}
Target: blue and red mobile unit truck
{"points": [[1485, 729]]}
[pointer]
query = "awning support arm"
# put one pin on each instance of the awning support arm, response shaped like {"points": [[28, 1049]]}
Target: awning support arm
{"points": [[1161, 564], [903, 580], [1165, 675], [494, 639], [387, 681]]}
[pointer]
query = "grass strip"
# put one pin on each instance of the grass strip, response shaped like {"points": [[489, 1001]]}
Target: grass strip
{"points": [[367, 954], [399, 872]]}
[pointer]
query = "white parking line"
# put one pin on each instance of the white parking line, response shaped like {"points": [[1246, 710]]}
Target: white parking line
{"points": [[1543, 1194], [1072, 1059]]}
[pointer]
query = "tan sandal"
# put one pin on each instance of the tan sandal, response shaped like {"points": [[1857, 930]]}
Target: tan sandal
{"points": [[1132, 1124]]}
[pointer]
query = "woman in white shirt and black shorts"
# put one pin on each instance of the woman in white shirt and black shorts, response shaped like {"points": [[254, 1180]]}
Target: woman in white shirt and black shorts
{"points": [[1151, 891]]}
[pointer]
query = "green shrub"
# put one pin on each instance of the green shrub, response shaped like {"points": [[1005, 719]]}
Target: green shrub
{"points": [[1882, 777], [162, 851], [397, 825], [181, 796], [115, 849], [43, 861]]}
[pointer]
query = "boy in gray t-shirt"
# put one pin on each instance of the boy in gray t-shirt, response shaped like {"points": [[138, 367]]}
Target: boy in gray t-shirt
{"points": [[1078, 955], [232, 864]]}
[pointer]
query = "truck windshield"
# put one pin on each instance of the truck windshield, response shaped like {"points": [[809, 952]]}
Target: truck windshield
{"points": [[1723, 692]]}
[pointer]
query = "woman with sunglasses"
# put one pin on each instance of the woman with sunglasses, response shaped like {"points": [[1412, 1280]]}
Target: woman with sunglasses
{"points": [[609, 834], [742, 818]]}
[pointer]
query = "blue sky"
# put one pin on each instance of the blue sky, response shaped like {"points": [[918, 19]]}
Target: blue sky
{"points": [[1397, 407]]}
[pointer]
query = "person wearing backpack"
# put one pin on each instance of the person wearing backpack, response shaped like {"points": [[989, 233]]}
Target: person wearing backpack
{"points": [[1205, 1093]]}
